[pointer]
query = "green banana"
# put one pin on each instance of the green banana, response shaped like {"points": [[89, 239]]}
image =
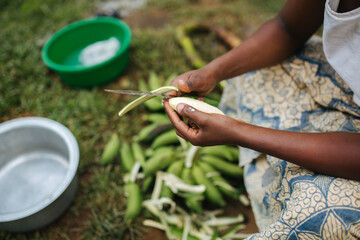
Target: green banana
{"points": [[178, 151], [169, 79], [221, 183], [138, 153], [161, 149], [144, 133], [222, 151], [154, 81], [212, 193], [228, 169], [111, 149], [147, 182], [143, 86], [176, 167], [166, 138], [192, 200], [157, 118], [149, 152], [235, 153], [126, 157], [152, 130], [134, 201], [161, 128], [159, 161]]}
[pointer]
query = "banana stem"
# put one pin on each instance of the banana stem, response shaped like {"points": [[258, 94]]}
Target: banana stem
{"points": [[135, 171], [190, 156], [183, 143], [176, 184], [187, 227], [225, 186], [168, 233], [157, 188], [154, 224], [221, 221]]}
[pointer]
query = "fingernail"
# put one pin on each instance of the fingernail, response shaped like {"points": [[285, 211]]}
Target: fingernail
{"points": [[191, 109], [180, 107]]}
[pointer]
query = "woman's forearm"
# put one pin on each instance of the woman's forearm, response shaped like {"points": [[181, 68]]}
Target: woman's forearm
{"points": [[268, 46], [334, 153], [275, 41]]}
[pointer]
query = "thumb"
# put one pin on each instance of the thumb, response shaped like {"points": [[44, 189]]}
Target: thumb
{"points": [[195, 116], [184, 86]]}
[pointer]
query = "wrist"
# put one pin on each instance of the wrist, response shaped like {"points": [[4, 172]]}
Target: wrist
{"points": [[249, 136], [213, 72]]}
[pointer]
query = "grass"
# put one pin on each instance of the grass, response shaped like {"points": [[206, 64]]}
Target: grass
{"points": [[28, 88]]}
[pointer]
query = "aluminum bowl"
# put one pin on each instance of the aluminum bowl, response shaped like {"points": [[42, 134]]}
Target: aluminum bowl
{"points": [[38, 163]]}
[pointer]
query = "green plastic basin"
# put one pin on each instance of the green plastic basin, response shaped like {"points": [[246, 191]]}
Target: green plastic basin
{"points": [[62, 50]]}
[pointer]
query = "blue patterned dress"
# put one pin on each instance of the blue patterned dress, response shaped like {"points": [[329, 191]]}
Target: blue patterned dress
{"points": [[301, 94]]}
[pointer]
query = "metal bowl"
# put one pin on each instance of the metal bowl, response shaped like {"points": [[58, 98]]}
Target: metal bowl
{"points": [[38, 162]]}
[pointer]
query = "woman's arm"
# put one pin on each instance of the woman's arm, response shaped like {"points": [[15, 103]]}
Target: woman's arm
{"points": [[333, 153], [274, 42]]}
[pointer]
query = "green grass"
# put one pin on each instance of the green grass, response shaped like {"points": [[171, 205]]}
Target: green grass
{"points": [[28, 88]]}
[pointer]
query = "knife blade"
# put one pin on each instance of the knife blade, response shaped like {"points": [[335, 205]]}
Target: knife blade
{"points": [[133, 92]]}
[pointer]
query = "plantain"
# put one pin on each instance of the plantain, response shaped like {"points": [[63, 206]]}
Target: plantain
{"points": [[212, 193], [226, 168], [158, 118], [221, 151], [166, 138], [134, 201], [159, 161], [111, 149], [151, 131], [154, 80], [221, 183], [138, 153], [126, 157]]}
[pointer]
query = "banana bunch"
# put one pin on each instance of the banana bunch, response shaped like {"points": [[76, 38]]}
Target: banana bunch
{"points": [[176, 174]]}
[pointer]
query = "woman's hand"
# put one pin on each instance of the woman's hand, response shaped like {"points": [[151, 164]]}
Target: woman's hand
{"points": [[211, 129], [196, 82], [331, 153]]}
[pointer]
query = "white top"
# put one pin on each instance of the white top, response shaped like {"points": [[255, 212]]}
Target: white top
{"points": [[341, 40]]}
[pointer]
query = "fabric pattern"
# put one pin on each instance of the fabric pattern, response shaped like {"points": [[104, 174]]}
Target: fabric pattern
{"points": [[301, 94]]}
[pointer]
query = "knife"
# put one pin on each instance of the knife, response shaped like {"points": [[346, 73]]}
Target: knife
{"points": [[132, 92]]}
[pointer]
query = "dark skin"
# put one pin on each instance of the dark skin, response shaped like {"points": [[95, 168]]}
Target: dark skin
{"points": [[334, 153]]}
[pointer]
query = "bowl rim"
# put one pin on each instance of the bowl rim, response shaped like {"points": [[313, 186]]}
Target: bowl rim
{"points": [[78, 68], [74, 155]]}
